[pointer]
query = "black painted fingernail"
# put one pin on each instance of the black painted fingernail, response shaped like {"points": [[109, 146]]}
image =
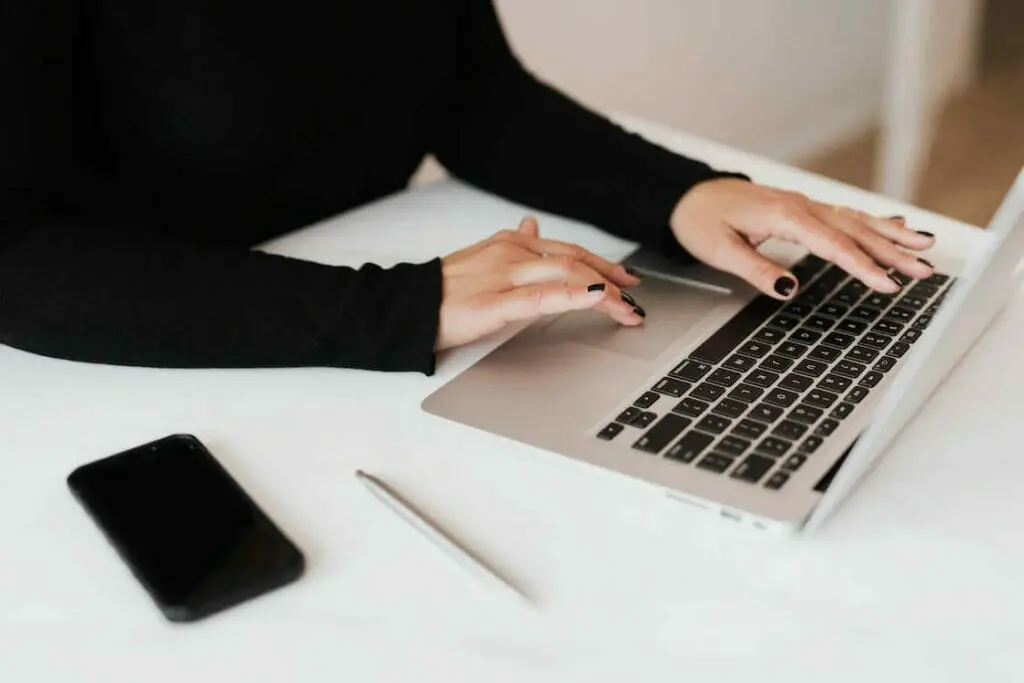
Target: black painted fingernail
{"points": [[926, 262], [598, 287], [896, 280], [785, 285], [631, 271], [926, 234], [640, 311], [628, 299]]}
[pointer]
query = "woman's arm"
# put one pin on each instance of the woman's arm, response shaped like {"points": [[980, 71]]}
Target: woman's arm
{"points": [[83, 288], [507, 132]]}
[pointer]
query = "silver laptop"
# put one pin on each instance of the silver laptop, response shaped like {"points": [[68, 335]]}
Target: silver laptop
{"points": [[764, 412]]}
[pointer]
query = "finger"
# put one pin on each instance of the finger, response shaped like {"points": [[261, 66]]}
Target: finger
{"points": [[614, 272], [880, 248], [548, 298], [619, 306], [895, 228], [737, 256], [528, 226]]}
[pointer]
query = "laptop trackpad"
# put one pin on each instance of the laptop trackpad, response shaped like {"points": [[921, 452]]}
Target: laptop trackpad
{"points": [[672, 311]]}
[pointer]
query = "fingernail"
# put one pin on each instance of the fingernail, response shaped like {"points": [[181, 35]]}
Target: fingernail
{"points": [[901, 219], [785, 285], [927, 263], [628, 299], [597, 287], [631, 271], [896, 280], [640, 311], [926, 234]]}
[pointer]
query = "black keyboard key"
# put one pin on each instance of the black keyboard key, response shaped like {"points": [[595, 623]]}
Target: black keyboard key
{"points": [[878, 300], [885, 364], [774, 446], [833, 310], [834, 382], [627, 415], [781, 398], [776, 481], [902, 278], [862, 354], [769, 335], [875, 340], [819, 398], [761, 378], [690, 370], [776, 363], [805, 336], [806, 414], [808, 267], [671, 387], [725, 340], [899, 314], [724, 377], [813, 368], [850, 293], [749, 429], [765, 413], [791, 349], [923, 290], [610, 432], [794, 462], [931, 311], [847, 368], [708, 392], [819, 323], [691, 407], [752, 468], [871, 379], [826, 427], [647, 400], [644, 419], [857, 394], [850, 326], [715, 424], [898, 349], [824, 353], [755, 349], [784, 322], [715, 462], [789, 430], [797, 383], [831, 278], [838, 339], [730, 408], [915, 302], [739, 363], [810, 444], [922, 321], [746, 392], [689, 447], [661, 434], [890, 327], [730, 445], [842, 411], [865, 313], [937, 279], [910, 336], [797, 310]]}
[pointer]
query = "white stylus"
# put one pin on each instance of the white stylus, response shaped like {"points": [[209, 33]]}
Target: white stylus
{"points": [[417, 520]]}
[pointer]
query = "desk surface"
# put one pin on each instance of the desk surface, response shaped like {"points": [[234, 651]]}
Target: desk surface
{"points": [[920, 575]]}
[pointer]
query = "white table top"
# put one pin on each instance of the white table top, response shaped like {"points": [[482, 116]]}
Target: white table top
{"points": [[919, 576]]}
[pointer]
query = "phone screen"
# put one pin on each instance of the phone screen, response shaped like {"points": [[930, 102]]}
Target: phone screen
{"points": [[191, 535]]}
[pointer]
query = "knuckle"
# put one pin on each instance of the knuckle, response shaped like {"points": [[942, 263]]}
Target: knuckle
{"points": [[566, 262]]}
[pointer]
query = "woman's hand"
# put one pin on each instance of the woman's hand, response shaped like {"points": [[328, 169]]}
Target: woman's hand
{"points": [[517, 275], [722, 222]]}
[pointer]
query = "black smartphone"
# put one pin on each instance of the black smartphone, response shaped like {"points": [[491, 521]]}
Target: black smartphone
{"points": [[194, 539]]}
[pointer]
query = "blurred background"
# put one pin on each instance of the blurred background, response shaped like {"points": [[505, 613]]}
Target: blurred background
{"points": [[920, 99]]}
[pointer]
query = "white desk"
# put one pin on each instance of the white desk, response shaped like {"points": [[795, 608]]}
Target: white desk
{"points": [[921, 577]]}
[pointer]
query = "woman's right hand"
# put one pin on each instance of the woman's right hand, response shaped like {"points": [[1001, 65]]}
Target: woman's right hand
{"points": [[516, 275]]}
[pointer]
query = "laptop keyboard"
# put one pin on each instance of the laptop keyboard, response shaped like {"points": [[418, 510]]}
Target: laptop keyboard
{"points": [[763, 393]]}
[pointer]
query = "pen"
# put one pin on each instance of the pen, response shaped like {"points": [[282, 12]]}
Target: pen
{"points": [[417, 520]]}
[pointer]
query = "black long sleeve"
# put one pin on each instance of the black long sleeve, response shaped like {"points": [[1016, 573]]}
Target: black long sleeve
{"points": [[145, 147]]}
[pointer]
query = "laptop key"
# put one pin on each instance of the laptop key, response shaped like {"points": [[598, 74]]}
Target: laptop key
{"points": [[781, 398], [611, 431], [871, 379], [730, 335], [807, 267], [812, 368], [690, 370], [805, 336], [915, 302], [848, 368], [794, 462], [749, 429], [836, 383], [890, 327], [797, 383], [765, 413], [850, 326], [819, 323], [857, 394], [746, 392], [850, 293], [838, 339], [825, 353], [661, 434], [922, 321], [833, 310], [899, 314], [769, 335], [898, 349], [806, 414], [714, 424], [628, 415], [708, 392], [776, 363], [644, 419], [784, 322], [755, 349], [731, 445], [791, 349], [842, 411], [715, 462], [865, 313], [862, 354], [724, 377], [776, 481], [910, 336], [878, 300], [739, 363], [789, 430], [690, 407], [923, 290], [797, 309], [819, 398], [648, 399], [885, 364], [752, 468], [730, 408], [810, 444], [826, 427], [671, 387], [937, 279], [689, 447], [902, 278], [774, 446], [761, 378], [875, 340]]}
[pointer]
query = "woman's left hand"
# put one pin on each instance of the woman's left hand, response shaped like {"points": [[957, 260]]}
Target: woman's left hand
{"points": [[722, 222]]}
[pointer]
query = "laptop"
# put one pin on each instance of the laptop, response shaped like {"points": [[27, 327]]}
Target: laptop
{"points": [[764, 412]]}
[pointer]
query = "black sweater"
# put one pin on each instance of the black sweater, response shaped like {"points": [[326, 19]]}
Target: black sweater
{"points": [[146, 146]]}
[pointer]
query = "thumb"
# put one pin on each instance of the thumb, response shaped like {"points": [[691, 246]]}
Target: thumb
{"points": [[738, 257], [528, 226]]}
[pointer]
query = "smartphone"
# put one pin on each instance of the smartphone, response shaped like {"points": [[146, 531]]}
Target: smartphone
{"points": [[186, 529]]}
